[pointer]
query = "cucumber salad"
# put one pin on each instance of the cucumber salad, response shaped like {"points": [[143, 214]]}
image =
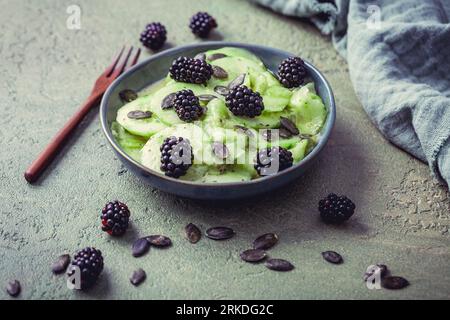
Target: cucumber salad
{"points": [[222, 116]]}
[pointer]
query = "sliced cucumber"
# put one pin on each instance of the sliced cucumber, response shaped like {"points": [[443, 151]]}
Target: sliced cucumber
{"points": [[216, 113], [265, 120], [258, 83], [299, 150], [236, 52], [309, 111], [231, 174], [276, 98], [130, 143], [140, 127], [234, 66]]}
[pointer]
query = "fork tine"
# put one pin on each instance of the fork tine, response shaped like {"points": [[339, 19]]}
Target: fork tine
{"points": [[136, 57], [110, 69], [117, 71]]}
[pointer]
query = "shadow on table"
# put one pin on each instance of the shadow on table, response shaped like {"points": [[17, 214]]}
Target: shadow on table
{"points": [[340, 169]]}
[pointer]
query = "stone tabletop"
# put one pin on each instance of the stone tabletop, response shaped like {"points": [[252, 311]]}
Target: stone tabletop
{"points": [[47, 70]]}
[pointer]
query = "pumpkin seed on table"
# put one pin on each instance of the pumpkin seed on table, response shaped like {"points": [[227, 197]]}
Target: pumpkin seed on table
{"points": [[159, 241], [266, 241], [223, 91], [237, 82], [253, 255], [381, 268], [13, 288], [139, 114], [219, 233], [128, 95], [394, 283], [167, 102], [61, 264], [219, 72], [138, 277], [279, 265], [332, 257], [140, 247], [193, 233], [216, 56], [220, 150], [289, 126]]}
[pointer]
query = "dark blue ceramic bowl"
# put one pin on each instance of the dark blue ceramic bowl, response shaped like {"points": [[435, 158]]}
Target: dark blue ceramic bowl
{"points": [[156, 68]]}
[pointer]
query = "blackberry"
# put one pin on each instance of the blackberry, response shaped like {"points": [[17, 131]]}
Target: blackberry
{"points": [[334, 209], [242, 101], [292, 72], [154, 36], [187, 106], [202, 23], [176, 156], [90, 262], [115, 217], [185, 69], [265, 157]]}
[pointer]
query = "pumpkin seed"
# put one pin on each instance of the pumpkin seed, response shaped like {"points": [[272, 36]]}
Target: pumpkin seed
{"points": [[139, 114], [266, 241], [284, 133], [219, 233], [289, 125], [167, 102], [60, 265], [279, 265], [220, 150], [381, 268], [200, 56], [253, 255], [128, 95], [219, 73], [237, 82], [138, 277], [267, 135], [159, 241], [13, 288], [140, 247], [244, 130], [206, 97], [394, 283], [216, 56], [332, 257], [224, 91], [193, 233]]}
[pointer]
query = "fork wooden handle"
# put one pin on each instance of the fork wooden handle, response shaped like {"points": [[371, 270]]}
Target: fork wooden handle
{"points": [[42, 161]]}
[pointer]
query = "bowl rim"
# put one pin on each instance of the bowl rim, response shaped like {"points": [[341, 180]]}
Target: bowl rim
{"points": [[325, 133]]}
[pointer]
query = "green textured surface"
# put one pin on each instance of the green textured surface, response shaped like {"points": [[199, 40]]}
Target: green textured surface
{"points": [[402, 216]]}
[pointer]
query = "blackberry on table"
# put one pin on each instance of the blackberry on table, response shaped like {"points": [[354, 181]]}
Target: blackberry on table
{"points": [[154, 36], [115, 218], [176, 156], [265, 163], [336, 209], [242, 101], [187, 106], [202, 23], [90, 263], [292, 72], [185, 69]]}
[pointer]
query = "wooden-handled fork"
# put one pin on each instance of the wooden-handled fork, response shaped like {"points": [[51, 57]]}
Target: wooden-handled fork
{"points": [[106, 78]]}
